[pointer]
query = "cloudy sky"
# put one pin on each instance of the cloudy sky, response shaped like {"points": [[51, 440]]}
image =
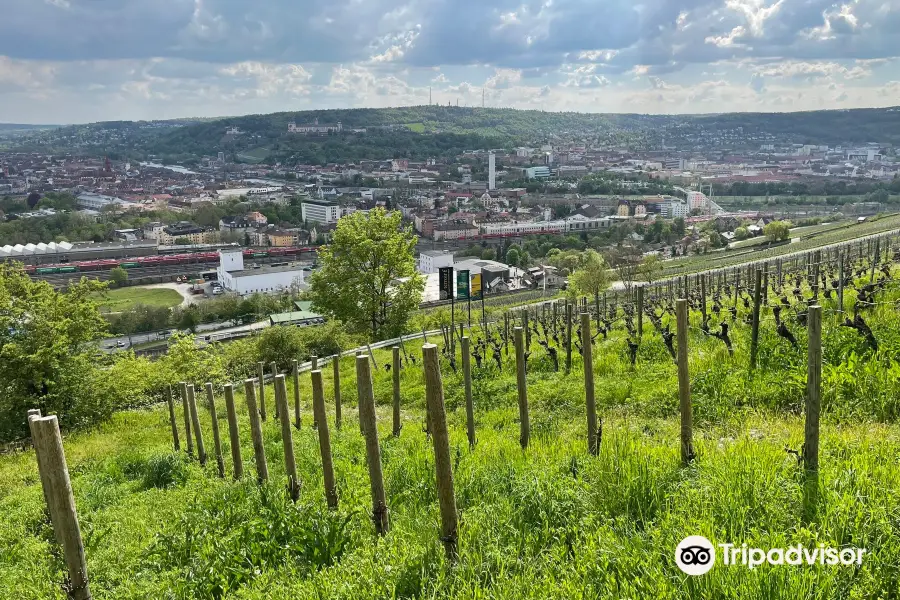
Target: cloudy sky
{"points": [[66, 61]]}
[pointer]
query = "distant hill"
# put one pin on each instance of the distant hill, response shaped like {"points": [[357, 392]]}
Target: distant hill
{"points": [[423, 131]]}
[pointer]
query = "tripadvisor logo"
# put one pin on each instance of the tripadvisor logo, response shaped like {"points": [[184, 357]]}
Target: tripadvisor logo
{"points": [[696, 555]]}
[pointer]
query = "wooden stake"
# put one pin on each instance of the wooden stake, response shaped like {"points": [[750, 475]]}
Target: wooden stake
{"points": [[336, 369], [45, 482], [262, 391], [434, 395], [290, 465], [467, 381], [754, 334], [195, 422], [187, 418], [295, 371], [568, 338], [640, 312], [373, 452], [524, 425], [593, 445], [274, 368], [684, 382], [813, 390], [233, 435], [63, 514], [172, 420], [217, 441], [259, 448], [324, 439], [395, 376]]}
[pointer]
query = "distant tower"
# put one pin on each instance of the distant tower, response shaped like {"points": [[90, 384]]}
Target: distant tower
{"points": [[429, 95], [482, 97], [492, 171]]}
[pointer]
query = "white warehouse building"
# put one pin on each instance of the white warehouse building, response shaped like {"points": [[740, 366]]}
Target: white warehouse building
{"points": [[432, 260], [261, 279], [319, 211]]}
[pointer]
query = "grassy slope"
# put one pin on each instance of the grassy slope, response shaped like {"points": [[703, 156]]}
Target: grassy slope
{"points": [[548, 523], [122, 299]]}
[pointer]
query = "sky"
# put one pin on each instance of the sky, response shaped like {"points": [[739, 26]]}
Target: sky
{"points": [[72, 61]]}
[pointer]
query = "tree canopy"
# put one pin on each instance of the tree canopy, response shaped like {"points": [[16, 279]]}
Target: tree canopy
{"points": [[368, 276]]}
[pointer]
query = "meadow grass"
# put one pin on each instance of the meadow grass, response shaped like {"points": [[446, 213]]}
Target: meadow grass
{"points": [[548, 522], [124, 299]]}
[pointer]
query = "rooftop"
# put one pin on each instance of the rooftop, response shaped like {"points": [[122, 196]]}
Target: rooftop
{"points": [[268, 269]]}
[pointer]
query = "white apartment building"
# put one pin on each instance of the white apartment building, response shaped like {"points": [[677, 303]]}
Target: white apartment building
{"points": [[319, 211], [432, 260]]}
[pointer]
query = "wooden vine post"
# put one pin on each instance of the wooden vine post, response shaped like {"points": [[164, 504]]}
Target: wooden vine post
{"points": [[754, 334], [195, 421], [336, 371], [51, 461], [182, 386], [324, 439], [373, 451], [172, 420], [592, 432], [274, 368], [568, 338], [524, 425], [290, 464], [640, 311], [467, 380], [684, 382], [841, 275], [259, 449], [395, 379], [295, 372], [233, 434], [217, 441], [813, 390], [262, 390], [703, 297], [434, 396]]}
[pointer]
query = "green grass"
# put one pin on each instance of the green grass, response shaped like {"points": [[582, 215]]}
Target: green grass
{"points": [[549, 522], [416, 127], [123, 299], [254, 156]]}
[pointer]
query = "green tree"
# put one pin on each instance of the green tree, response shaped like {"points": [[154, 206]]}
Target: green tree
{"points": [[119, 276], [591, 277], [189, 320], [47, 358], [741, 233], [512, 256], [182, 241], [368, 276], [777, 231], [651, 267]]}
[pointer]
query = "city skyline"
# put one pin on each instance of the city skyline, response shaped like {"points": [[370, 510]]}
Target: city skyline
{"points": [[67, 61]]}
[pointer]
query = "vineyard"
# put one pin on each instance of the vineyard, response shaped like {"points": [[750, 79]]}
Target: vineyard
{"points": [[491, 463]]}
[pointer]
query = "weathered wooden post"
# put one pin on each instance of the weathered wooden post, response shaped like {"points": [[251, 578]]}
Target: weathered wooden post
{"points": [[336, 371], [182, 386], [217, 441], [274, 368], [640, 312], [524, 425], [172, 420], [259, 448], [467, 381], [593, 442], [373, 452], [754, 334], [434, 395], [395, 376], [233, 434], [314, 363], [813, 390], [295, 371], [61, 502], [195, 422], [684, 382], [765, 283], [841, 276], [527, 328], [290, 464], [568, 338], [262, 390], [324, 439], [31, 415], [703, 297]]}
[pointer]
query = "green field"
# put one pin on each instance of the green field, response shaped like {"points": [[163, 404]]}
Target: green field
{"points": [[551, 521], [123, 299], [255, 156]]}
